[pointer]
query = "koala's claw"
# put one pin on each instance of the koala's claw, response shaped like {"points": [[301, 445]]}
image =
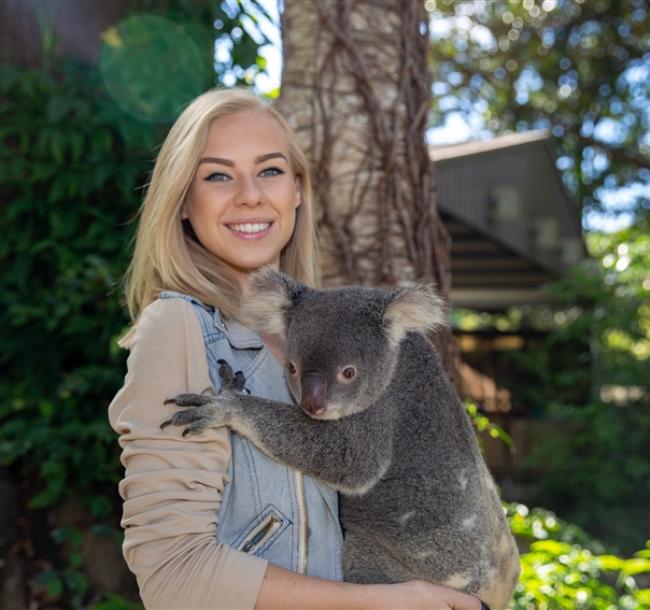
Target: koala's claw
{"points": [[230, 380], [225, 372], [203, 411], [239, 381], [181, 418], [190, 400], [196, 419], [200, 425]]}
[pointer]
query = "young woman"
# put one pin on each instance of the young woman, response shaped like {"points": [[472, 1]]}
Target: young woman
{"points": [[209, 521]]}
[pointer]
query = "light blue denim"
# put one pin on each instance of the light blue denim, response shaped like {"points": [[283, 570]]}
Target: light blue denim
{"points": [[259, 511]]}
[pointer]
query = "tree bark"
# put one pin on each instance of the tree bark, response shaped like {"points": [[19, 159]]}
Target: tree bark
{"points": [[356, 88], [73, 29]]}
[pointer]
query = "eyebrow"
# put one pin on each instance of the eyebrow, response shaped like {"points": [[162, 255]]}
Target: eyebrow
{"points": [[230, 163]]}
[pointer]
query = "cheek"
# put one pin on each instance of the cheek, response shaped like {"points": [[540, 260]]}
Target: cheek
{"points": [[290, 222], [286, 196], [287, 226], [205, 198], [347, 393]]}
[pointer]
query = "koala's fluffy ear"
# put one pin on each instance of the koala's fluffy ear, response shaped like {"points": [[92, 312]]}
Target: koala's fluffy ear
{"points": [[416, 308], [268, 297]]}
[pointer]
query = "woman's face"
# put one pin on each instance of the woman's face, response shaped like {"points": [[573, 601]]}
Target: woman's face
{"points": [[242, 200]]}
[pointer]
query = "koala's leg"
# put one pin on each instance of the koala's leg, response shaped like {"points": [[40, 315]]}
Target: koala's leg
{"points": [[351, 454]]}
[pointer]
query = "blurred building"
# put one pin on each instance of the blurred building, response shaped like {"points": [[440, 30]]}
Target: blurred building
{"points": [[513, 226]]}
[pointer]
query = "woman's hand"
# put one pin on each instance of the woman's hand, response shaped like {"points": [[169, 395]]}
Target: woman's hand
{"points": [[421, 595]]}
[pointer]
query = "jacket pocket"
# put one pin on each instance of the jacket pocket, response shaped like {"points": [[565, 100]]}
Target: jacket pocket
{"points": [[262, 532]]}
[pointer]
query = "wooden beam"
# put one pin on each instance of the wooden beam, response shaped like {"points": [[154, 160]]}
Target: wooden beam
{"points": [[498, 279], [473, 246], [489, 263], [497, 299]]}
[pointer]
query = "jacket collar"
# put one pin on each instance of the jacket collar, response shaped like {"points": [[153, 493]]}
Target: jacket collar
{"points": [[238, 335]]}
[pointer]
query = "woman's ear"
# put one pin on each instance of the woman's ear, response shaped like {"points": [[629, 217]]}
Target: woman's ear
{"points": [[184, 215], [298, 199]]}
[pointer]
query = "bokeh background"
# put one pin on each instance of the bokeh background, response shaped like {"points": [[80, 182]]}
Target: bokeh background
{"points": [[533, 144]]}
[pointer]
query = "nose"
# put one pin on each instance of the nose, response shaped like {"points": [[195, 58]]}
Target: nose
{"points": [[249, 193], [314, 392]]}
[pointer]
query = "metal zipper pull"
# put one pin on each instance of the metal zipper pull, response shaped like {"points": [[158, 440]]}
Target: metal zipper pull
{"points": [[259, 536]]}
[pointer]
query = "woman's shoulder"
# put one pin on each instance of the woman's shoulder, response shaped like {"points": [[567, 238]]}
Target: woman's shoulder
{"points": [[165, 312], [166, 320], [174, 315]]}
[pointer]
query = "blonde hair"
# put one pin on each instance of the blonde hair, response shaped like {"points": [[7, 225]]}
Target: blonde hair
{"points": [[167, 256]]}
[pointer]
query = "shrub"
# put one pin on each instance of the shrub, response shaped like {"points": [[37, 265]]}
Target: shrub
{"points": [[564, 568]]}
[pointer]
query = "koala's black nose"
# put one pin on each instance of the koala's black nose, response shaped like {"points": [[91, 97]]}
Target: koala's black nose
{"points": [[314, 391]]}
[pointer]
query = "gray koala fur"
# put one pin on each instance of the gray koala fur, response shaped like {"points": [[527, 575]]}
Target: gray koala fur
{"points": [[417, 501]]}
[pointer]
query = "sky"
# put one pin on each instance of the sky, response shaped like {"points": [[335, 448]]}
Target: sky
{"points": [[457, 128]]}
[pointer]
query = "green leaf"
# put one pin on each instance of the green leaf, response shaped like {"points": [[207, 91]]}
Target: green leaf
{"points": [[57, 107], [52, 583], [100, 506], [636, 565], [611, 562], [551, 546]]}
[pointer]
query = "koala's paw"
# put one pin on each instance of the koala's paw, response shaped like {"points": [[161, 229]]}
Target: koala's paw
{"points": [[203, 411], [190, 400], [200, 413], [230, 382]]}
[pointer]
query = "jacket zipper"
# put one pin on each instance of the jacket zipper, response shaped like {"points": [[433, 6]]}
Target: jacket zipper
{"points": [[260, 534], [303, 525]]}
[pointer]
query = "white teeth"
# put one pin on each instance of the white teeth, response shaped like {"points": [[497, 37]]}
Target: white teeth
{"points": [[256, 227]]}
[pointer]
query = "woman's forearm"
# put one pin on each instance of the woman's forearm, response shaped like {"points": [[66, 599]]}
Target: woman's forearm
{"points": [[282, 589]]}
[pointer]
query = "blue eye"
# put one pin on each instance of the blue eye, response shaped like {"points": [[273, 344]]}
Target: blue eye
{"points": [[217, 177], [271, 171]]}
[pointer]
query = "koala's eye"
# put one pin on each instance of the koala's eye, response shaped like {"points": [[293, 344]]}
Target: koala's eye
{"points": [[348, 373], [291, 367]]}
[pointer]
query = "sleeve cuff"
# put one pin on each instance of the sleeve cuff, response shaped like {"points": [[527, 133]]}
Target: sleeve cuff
{"points": [[247, 570]]}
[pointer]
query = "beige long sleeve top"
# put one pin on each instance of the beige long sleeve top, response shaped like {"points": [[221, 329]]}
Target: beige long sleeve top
{"points": [[173, 486]]}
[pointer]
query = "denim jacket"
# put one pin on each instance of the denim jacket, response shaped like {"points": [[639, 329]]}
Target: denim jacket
{"points": [[267, 509]]}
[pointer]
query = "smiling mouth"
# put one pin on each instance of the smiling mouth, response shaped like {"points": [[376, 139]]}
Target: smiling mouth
{"points": [[250, 229]]}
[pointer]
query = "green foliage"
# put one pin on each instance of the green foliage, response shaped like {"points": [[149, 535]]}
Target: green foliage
{"points": [[76, 148], [598, 333], [586, 374], [563, 568], [68, 583], [114, 602], [594, 469], [579, 69], [588, 378], [239, 37], [162, 48], [70, 167], [616, 283], [483, 424]]}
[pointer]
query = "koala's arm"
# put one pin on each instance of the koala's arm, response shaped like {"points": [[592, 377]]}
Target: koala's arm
{"points": [[350, 454]]}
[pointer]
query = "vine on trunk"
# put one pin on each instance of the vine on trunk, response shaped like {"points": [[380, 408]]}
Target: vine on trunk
{"points": [[357, 88]]}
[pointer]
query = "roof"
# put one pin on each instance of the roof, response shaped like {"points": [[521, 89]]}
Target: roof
{"points": [[473, 147], [513, 225]]}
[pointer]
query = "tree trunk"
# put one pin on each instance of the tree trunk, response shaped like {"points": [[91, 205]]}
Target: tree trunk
{"points": [[356, 88], [72, 28]]}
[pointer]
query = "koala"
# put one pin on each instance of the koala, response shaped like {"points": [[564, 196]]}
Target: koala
{"points": [[377, 419]]}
